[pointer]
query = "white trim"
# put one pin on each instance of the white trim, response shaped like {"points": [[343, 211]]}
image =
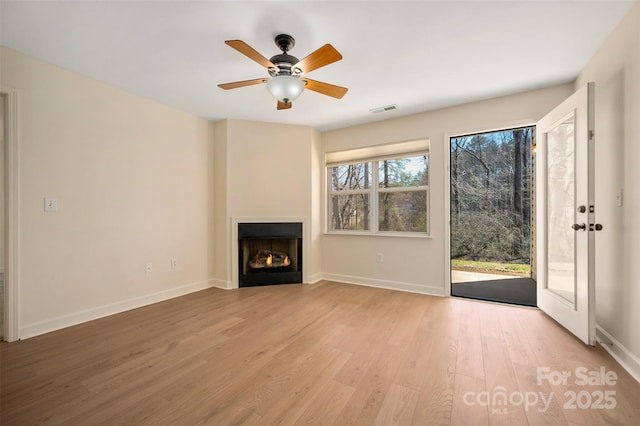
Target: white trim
{"points": [[306, 242], [315, 278], [447, 185], [390, 285], [68, 320], [447, 214], [619, 352], [222, 284], [12, 216]]}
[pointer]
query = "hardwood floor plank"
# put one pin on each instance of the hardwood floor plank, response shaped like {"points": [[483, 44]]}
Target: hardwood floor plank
{"points": [[304, 393], [413, 308], [365, 403], [542, 408], [500, 379], [416, 365], [398, 406], [276, 383], [436, 394], [331, 400], [466, 408], [469, 360]]}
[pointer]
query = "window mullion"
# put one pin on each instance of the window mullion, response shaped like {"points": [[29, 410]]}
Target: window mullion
{"points": [[373, 208]]}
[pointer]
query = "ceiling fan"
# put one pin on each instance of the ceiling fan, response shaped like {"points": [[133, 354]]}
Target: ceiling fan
{"points": [[286, 71]]}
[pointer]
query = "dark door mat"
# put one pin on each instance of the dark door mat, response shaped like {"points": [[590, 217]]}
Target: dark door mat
{"points": [[517, 291]]}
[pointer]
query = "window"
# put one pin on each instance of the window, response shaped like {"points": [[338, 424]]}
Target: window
{"points": [[385, 194]]}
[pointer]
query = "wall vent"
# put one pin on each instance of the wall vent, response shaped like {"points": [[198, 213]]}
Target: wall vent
{"points": [[384, 109]]}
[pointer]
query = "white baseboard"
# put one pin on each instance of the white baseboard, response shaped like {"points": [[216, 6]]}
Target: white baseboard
{"points": [[223, 284], [312, 279], [619, 352], [390, 285], [75, 318]]}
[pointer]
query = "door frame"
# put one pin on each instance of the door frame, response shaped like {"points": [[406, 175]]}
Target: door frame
{"points": [[12, 216], [447, 183]]}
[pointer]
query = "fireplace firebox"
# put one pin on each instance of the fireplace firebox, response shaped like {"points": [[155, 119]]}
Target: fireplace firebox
{"points": [[269, 253]]}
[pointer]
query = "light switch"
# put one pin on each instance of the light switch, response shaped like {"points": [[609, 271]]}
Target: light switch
{"points": [[50, 204]]}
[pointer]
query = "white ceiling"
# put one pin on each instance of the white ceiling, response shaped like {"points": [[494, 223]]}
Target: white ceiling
{"points": [[420, 55]]}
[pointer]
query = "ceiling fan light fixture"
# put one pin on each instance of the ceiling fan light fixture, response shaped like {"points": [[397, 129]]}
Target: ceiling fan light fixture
{"points": [[285, 88]]}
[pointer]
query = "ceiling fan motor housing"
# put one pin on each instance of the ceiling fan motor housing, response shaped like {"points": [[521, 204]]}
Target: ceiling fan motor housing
{"points": [[283, 61]]}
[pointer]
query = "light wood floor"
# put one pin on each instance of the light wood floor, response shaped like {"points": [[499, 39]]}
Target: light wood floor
{"points": [[326, 353]]}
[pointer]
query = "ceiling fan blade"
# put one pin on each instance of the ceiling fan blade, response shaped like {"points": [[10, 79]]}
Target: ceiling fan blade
{"points": [[236, 84], [326, 55], [282, 105], [325, 88], [250, 52]]}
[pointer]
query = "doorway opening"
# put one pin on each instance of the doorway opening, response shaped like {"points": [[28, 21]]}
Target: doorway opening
{"points": [[492, 220]]}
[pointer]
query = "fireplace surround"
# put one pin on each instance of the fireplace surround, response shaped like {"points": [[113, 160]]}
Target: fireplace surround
{"points": [[269, 253]]}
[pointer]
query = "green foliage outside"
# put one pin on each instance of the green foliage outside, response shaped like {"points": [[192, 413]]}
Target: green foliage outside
{"points": [[401, 193], [491, 191], [491, 267]]}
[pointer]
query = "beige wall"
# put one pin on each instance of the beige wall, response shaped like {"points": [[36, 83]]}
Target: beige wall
{"points": [[418, 264], [268, 174], [317, 197], [134, 185], [221, 258], [615, 69], [268, 171]]}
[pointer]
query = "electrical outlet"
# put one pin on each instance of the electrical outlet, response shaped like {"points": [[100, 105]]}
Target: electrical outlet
{"points": [[148, 268], [379, 258], [174, 264]]}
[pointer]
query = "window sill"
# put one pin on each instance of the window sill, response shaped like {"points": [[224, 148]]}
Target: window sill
{"points": [[382, 234]]}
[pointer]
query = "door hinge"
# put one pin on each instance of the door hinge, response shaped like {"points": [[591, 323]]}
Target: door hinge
{"points": [[591, 135]]}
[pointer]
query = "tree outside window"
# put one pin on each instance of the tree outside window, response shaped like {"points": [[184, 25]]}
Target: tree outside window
{"points": [[386, 195]]}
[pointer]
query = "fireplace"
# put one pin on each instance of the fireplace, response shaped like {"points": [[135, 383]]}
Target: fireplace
{"points": [[269, 253]]}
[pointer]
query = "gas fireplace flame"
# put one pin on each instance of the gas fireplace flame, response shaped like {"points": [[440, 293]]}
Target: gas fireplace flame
{"points": [[267, 259]]}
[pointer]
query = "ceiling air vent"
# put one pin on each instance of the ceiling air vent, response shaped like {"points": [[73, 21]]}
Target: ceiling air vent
{"points": [[384, 109]]}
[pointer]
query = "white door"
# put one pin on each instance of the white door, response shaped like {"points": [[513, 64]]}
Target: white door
{"points": [[565, 214]]}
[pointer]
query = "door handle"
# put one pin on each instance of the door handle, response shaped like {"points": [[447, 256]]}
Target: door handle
{"points": [[581, 227]]}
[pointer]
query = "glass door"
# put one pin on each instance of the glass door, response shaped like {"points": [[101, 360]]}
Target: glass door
{"points": [[566, 213]]}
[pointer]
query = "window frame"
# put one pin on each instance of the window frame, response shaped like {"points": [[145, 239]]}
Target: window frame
{"points": [[374, 192]]}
